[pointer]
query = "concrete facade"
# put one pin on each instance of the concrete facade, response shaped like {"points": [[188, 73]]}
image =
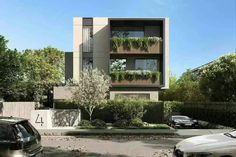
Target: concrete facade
{"points": [[101, 53], [166, 57], [101, 44], [77, 47]]}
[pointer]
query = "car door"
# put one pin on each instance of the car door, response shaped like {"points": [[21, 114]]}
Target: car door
{"points": [[31, 138], [7, 140]]}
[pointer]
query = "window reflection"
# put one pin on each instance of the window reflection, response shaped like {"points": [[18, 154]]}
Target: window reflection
{"points": [[146, 64]]}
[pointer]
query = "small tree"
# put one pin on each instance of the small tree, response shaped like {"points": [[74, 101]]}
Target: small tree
{"points": [[92, 90]]}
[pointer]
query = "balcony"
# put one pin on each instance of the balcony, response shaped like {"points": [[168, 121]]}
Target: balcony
{"points": [[135, 78], [143, 45]]}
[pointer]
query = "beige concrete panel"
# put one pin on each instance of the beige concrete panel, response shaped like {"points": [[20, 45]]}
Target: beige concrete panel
{"points": [[154, 95], [77, 46], [101, 46], [62, 93], [166, 54], [17, 109]]}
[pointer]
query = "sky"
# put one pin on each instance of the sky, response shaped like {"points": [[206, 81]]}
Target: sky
{"points": [[200, 30]]}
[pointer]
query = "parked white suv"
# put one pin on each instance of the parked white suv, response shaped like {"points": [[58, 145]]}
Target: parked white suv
{"points": [[214, 145]]}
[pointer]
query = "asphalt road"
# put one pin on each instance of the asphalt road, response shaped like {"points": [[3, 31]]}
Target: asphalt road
{"points": [[107, 146]]}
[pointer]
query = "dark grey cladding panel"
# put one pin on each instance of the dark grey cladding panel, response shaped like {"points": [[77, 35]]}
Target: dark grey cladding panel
{"points": [[68, 65], [87, 55], [87, 21]]}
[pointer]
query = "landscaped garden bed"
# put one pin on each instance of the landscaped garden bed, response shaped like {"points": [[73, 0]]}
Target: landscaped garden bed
{"points": [[99, 124], [128, 115]]}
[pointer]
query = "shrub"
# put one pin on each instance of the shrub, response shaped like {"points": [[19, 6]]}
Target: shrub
{"points": [[127, 109], [154, 112], [137, 122], [98, 123], [85, 124], [122, 123]]}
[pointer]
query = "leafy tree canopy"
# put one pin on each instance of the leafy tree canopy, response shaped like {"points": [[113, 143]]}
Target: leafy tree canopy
{"points": [[218, 79]]}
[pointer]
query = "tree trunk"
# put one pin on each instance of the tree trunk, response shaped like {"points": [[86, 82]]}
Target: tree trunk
{"points": [[90, 117]]}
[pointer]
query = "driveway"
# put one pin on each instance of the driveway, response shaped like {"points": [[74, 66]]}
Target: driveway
{"points": [[107, 146]]}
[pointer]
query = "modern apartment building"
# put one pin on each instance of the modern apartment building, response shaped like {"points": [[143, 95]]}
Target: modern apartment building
{"points": [[133, 51]]}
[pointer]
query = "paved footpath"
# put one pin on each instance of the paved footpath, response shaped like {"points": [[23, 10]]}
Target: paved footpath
{"points": [[107, 146]]}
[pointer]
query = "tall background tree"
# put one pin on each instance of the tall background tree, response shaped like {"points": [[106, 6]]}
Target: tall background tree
{"points": [[43, 69], [11, 72], [29, 75], [214, 82], [218, 79]]}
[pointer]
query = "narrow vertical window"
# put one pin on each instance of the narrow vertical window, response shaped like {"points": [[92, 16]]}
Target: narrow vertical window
{"points": [[87, 35]]}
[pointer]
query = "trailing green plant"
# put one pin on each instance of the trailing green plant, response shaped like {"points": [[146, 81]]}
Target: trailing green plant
{"points": [[141, 43], [145, 44], [135, 75], [127, 43], [155, 75], [116, 42]]}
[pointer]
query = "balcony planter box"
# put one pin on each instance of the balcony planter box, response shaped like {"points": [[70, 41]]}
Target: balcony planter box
{"points": [[135, 82], [136, 45], [154, 49]]}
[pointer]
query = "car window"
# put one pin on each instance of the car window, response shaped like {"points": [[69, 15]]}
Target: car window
{"points": [[6, 132], [181, 118], [25, 130]]}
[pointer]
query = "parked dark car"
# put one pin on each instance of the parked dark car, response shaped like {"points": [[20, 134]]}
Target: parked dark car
{"points": [[18, 138], [179, 121]]}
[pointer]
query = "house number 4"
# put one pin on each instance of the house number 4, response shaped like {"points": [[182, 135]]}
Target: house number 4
{"points": [[39, 120]]}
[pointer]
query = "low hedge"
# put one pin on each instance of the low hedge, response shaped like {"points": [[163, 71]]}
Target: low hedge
{"points": [[65, 105], [153, 111], [223, 113]]}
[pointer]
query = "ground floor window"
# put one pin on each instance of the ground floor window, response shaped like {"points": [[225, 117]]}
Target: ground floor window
{"points": [[132, 96]]}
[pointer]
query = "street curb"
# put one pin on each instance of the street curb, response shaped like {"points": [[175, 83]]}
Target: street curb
{"points": [[77, 132]]}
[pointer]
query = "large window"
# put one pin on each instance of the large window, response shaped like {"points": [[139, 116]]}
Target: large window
{"points": [[128, 34], [132, 96], [146, 64]]}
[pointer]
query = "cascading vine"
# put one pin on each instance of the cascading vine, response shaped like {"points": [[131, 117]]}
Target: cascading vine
{"points": [[142, 43]]}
